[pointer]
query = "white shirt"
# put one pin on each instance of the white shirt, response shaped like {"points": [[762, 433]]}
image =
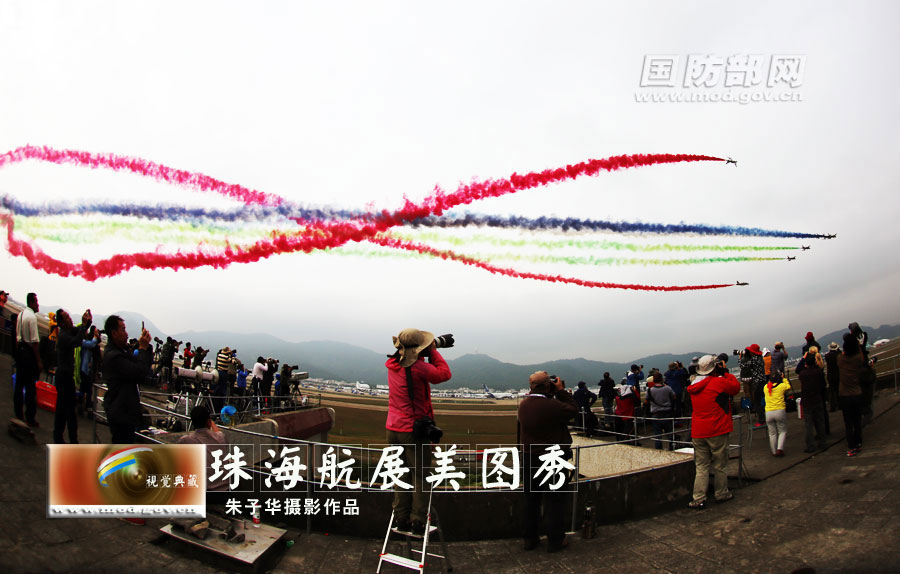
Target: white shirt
{"points": [[259, 370], [26, 327]]}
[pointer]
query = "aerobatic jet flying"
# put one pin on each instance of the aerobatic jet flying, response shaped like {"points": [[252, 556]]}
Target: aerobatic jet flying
{"points": [[740, 283], [804, 247], [791, 258], [729, 160]]}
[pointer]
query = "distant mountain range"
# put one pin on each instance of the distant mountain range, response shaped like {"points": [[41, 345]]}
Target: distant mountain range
{"points": [[341, 361]]}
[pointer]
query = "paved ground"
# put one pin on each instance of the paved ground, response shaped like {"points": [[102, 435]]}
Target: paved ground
{"points": [[826, 513]]}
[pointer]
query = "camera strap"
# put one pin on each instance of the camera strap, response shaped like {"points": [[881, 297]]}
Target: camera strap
{"points": [[409, 388]]}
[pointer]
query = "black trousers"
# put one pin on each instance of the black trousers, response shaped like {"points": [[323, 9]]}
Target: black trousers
{"points": [[554, 503], [65, 409], [26, 376], [852, 407], [121, 433]]}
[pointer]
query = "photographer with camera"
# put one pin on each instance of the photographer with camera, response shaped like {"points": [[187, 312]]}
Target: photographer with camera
{"points": [[284, 389], [222, 387], [268, 380], [711, 393], [753, 375], [543, 417], [410, 419]]}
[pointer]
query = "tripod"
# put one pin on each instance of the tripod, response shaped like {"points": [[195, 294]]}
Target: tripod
{"points": [[184, 399]]}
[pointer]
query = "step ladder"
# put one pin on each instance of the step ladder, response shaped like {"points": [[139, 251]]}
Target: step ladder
{"points": [[413, 563]]}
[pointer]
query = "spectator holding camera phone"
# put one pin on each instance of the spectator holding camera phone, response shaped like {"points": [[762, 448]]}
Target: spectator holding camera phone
{"points": [[410, 419]]}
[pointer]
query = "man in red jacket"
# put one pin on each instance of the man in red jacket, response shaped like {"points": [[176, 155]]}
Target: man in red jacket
{"points": [[409, 399], [711, 393]]}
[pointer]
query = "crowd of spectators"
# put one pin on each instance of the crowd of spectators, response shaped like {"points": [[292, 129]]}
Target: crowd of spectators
{"points": [[842, 378], [71, 359]]}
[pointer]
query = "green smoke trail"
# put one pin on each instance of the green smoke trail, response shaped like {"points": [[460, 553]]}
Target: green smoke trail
{"points": [[80, 231], [83, 230], [357, 251], [432, 237]]}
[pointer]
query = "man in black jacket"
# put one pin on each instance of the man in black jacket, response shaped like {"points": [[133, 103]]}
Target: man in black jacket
{"points": [[608, 396], [544, 417], [69, 339], [122, 373], [585, 400]]}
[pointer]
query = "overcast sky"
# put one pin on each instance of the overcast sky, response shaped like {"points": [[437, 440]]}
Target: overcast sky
{"points": [[356, 105]]}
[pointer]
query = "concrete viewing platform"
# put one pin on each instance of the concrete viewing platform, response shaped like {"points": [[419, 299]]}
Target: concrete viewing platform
{"points": [[822, 513]]}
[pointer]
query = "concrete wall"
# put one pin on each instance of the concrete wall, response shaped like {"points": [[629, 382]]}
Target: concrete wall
{"points": [[628, 482]]}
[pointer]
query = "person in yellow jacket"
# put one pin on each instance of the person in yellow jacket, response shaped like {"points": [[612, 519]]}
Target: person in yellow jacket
{"points": [[776, 414]]}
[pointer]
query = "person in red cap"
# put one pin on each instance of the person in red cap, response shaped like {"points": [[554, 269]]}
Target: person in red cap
{"points": [[753, 375], [810, 342]]}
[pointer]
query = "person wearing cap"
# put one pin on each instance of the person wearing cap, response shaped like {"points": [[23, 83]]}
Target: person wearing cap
{"points": [[810, 342], [711, 393], [753, 374], [410, 378], [543, 417], [832, 375]]}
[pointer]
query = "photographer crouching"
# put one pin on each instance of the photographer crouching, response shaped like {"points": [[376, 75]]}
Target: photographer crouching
{"points": [[410, 419]]}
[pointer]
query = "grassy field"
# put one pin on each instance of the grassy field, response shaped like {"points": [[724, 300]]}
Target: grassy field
{"points": [[351, 400], [366, 426]]}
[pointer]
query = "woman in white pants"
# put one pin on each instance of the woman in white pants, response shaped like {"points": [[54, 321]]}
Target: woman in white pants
{"points": [[776, 416]]}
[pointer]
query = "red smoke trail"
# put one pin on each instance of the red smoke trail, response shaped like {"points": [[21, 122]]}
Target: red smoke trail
{"points": [[191, 180], [394, 243], [318, 235], [437, 203], [279, 244]]}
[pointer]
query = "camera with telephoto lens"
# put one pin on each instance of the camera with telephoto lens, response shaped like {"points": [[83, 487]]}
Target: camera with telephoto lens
{"points": [[444, 341], [425, 429]]}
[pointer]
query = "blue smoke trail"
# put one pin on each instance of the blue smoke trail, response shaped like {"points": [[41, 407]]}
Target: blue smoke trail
{"points": [[576, 224], [295, 212]]}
